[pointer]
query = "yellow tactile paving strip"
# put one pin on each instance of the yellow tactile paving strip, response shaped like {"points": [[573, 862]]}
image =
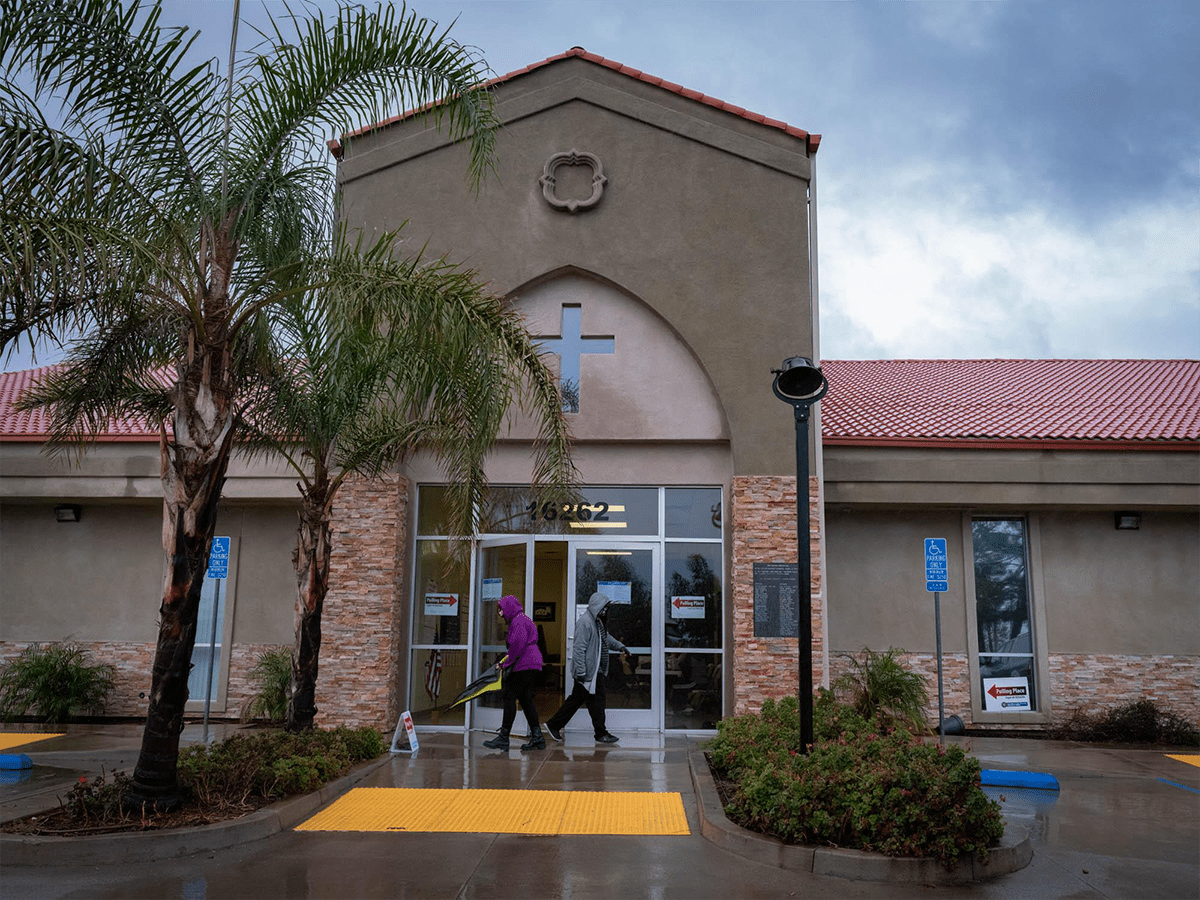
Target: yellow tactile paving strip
{"points": [[1192, 759], [503, 812], [8, 740]]}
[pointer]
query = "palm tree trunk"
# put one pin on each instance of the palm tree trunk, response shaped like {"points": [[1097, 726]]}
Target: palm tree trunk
{"points": [[313, 547], [193, 474]]}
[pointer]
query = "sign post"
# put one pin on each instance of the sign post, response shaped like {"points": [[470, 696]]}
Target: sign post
{"points": [[937, 581], [218, 569]]}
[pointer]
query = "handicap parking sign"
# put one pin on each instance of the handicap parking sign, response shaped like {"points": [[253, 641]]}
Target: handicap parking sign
{"points": [[937, 569], [218, 558]]}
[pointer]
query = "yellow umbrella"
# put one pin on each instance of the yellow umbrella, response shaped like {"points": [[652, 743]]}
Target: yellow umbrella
{"points": [[490, 680]]}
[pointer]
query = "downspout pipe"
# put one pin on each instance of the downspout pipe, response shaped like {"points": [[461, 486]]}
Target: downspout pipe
{"points": [[814, 142]]}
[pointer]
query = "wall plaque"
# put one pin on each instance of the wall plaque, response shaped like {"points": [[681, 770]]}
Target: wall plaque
{"points": [[573, 157], [776, 596]]}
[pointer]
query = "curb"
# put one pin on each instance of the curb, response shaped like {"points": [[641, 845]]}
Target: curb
{"points": [[1013, 853], [147, 846]]}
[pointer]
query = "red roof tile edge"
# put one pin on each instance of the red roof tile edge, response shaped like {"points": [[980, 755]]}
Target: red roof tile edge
{"points": [[1177, 445], [813, 140]]}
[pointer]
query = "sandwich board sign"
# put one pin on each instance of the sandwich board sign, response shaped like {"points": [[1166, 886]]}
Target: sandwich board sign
{"points": [[406, 722]]}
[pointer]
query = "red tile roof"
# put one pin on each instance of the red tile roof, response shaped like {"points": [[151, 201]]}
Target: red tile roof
{"points": [[17, 425], [813, 140], [1012, 403]]}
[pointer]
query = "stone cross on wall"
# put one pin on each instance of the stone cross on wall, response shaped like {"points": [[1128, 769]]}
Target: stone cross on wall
{"points": [[570, 345]]}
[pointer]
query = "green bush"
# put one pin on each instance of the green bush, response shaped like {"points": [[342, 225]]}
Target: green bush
{"points": [[860, 786], [271, 677], [879, 687], [274, 764], [54, 683], [1139, 722]]}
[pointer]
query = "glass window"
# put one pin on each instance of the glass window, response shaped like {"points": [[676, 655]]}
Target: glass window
{"points": [[603, 511], [438, 676], [442, 601], [433, 509], [693, 595], [693, 512], [1002, 614], [207, 650], [627, 577], [693, 682]]}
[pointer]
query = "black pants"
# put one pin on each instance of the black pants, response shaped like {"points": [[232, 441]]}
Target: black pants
{"points": [[521, 686], [580, 697]]}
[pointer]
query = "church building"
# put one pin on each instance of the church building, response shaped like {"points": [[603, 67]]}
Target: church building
{"points": [[661, 245]]}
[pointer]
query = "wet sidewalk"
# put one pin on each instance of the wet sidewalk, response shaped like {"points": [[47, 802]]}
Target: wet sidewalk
{"points": [[1124, 823]]}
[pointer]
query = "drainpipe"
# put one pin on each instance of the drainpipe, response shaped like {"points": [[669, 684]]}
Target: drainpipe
{"points": [[814, 142]]}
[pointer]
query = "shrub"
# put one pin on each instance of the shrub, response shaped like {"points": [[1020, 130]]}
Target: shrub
{"points": [[1139, 722], [274, 764], [54, 683], [879, 687], [860, 786], [271, 677]]}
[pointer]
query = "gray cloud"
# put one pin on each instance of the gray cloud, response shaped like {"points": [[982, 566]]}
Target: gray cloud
{"points": [[1016, 179]]}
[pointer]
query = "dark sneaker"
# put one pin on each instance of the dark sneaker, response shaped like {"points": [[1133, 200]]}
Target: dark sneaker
{"points": [[552, 731], [606, 738]]}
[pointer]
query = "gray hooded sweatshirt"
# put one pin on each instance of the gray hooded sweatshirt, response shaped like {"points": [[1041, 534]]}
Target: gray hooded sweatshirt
{"points": [[588, 656]]}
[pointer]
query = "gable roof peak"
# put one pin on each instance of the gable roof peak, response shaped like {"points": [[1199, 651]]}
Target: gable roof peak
{"points": [[812, 141]]}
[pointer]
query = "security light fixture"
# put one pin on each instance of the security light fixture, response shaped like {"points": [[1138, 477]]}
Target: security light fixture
{"points": [[67, 512], [1128, 521], [800, 383]]}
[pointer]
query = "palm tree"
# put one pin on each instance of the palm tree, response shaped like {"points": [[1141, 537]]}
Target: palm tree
{"points": [[164, 212], [399, 357]]}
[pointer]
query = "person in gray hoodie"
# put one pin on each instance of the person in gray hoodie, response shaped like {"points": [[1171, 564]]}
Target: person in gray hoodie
{"points": [[589, 666]]}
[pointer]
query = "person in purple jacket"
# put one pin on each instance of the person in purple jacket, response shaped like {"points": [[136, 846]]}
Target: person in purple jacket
{"points": [[522, 675]]}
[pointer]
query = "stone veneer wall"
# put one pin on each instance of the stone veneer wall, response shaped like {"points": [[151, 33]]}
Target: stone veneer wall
{"points": [[956, 680], [360, 629], [1088, 683], [131, 686], [1100, 681], [764, 531]]}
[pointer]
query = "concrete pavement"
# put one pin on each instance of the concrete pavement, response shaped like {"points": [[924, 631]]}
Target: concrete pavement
{"points": [[1125, 823]]}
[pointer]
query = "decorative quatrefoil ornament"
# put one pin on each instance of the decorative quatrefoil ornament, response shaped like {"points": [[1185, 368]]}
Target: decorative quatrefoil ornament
{"points": [[572, 158]]}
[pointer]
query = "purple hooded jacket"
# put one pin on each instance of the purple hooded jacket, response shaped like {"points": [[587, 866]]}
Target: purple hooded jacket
{"points": [[522, 640]]}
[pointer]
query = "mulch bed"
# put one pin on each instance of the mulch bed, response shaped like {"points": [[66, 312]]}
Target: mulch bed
{"points": [[62, 823]]}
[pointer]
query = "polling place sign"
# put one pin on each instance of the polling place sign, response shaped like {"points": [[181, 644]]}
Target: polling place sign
{"points": [[1006, 695]]}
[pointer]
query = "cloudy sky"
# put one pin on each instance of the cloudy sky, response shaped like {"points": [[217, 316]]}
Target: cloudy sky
{"points": [[995, 179]]}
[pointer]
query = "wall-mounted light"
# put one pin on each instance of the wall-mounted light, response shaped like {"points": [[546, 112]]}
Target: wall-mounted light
{"points": [[67, 512], [1127, 521]]}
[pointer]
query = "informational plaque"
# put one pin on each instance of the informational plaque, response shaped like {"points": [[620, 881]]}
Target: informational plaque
{"points": [[776, 600]]}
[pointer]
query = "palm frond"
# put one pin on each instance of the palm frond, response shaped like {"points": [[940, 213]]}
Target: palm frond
{"points": [[355, 70]]}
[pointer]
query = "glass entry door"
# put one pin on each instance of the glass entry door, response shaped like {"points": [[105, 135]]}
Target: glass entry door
{"points": [[503, 568], [628, 574]]}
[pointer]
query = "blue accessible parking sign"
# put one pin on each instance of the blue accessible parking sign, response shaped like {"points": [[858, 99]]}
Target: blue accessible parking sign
{"points": [[937, 571], [218, 558]]}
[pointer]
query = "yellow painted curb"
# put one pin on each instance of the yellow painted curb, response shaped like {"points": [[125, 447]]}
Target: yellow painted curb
{"points": [[8, 740], [503, 812], [1192, 759]]}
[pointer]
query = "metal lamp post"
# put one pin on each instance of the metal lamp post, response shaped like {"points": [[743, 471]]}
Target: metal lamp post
{"points": [[800, 383]]}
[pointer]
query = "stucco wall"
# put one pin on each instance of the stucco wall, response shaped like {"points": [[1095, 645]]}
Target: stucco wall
{"points": [[1103, 591], [704, 213], [1122, 592], [99, 581]]}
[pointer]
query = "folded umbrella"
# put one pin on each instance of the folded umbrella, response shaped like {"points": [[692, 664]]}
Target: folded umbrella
{"points": [[490, 680]]}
